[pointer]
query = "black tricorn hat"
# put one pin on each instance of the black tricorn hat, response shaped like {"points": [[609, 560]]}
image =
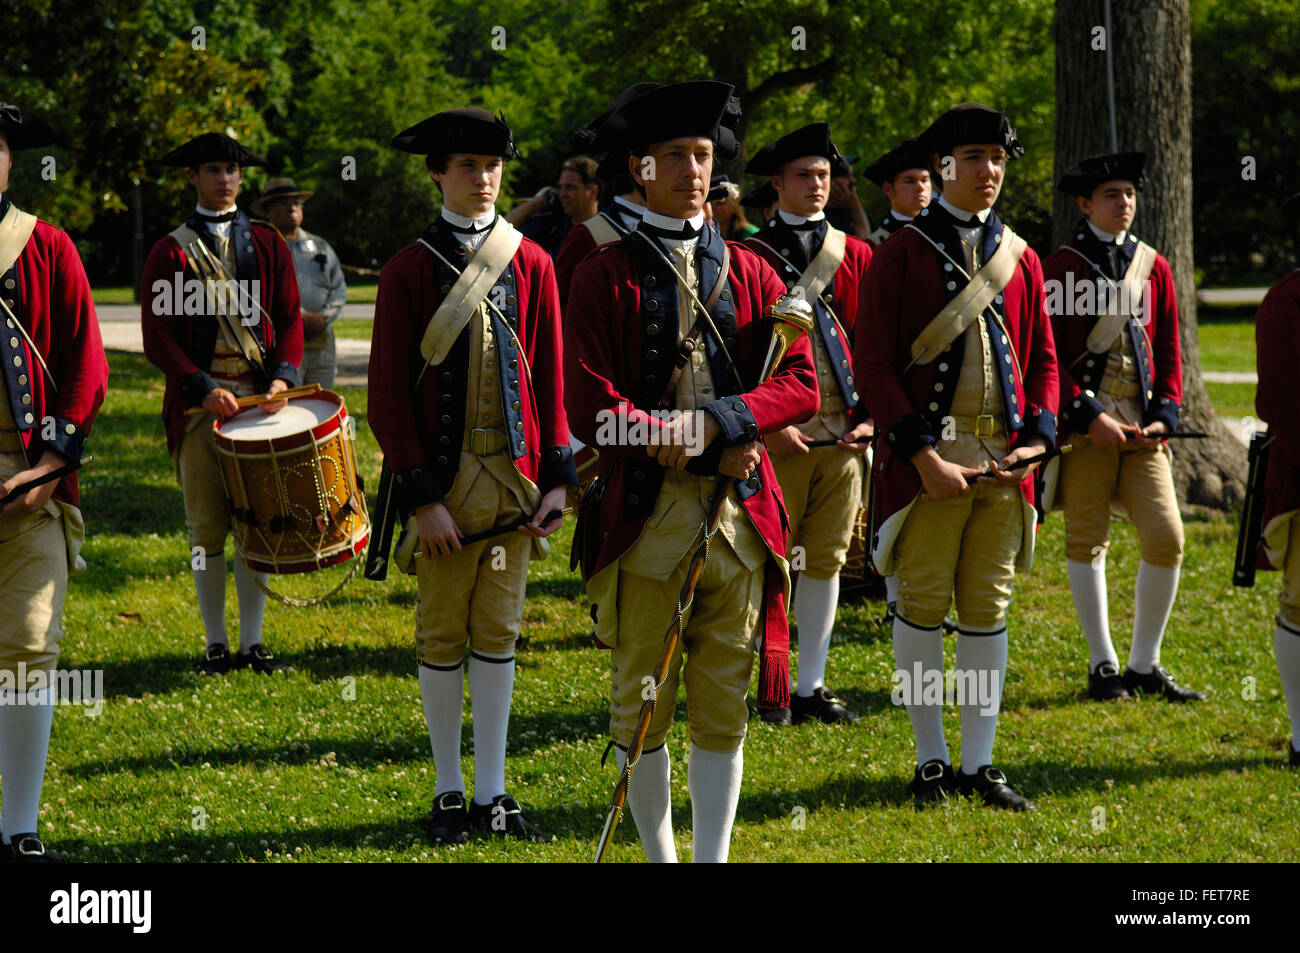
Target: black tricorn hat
{"points": [[718, 188], [909, 154], [972, 123], [811, 140], [466, 129], [23, 131], [211, 147], [760, 198], [1091, 172], [605, 132], [705, 108]]}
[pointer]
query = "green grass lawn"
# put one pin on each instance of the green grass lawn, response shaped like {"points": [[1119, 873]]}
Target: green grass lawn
{"points": [[360, 293], [332, 762], [1227, 345]]}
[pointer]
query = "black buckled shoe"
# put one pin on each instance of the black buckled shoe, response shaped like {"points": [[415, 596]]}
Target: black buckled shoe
{"points": [[776, 716], [891, 610], [949, 627], [215, 661], [28, 849], [932, 782], [449, 819], [505, 818], [1158, 682], [994, 789], [1105, 684], [1295, 755], [822, 704], [260, 659]]}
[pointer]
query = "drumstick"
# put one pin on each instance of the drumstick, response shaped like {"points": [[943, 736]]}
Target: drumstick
{"points": [[505, 528], [1036, 458], [836, 443], [253, 400], [42, 480]]}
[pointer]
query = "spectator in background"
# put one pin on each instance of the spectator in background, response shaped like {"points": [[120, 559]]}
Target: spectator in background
{"points": [[547, 217], [727, 212], [321, 288], [843, 209]]}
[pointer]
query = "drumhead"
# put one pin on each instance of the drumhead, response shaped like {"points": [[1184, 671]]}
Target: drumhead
{"points": [[255, 424]]}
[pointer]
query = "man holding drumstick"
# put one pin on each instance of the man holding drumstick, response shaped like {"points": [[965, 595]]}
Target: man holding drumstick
{"points": [[246, 338]]}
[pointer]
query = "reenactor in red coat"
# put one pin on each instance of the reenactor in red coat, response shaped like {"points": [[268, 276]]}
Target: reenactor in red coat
{"points": [[53, 376], [1115, 320], [1277, 355], [467, 403], [903, 174], [671, 401], [238, 344], [821, 486], [960, 377]]}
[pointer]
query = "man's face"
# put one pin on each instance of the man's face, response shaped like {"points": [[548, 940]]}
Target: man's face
{"points": [[471, 183], [803, 185], [285, 215], [677, 182], [217, 183], [575, 198], [973, 180], [909, 192], [1111, 206], [6, 162]]}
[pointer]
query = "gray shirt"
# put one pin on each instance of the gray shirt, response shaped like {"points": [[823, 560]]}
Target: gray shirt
{"points": [[320, 283]]}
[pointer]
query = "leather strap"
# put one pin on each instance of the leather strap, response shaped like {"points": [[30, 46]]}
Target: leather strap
{"points": [[692, 339], [15, 229], [237, 330], [959, 313], [471, 287], [1112, 322], [602, 232]]}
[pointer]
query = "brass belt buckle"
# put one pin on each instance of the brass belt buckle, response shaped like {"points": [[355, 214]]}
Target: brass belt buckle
{"points": [[478, 441], [984, 424]]}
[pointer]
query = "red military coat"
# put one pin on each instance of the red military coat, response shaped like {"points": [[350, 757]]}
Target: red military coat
{"points": [[777, 244], [48, 291], [421, 436], [181, 345], [1277, 357], [906, 286], [615, 363], [1153, 338]]}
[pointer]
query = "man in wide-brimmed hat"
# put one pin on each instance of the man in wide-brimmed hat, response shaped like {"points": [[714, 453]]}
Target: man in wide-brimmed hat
{"points": [[321, 288]]}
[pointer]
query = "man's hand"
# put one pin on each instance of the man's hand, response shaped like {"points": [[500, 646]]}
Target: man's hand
{"points": [[1106, 431], [683, 437], [942, 480], [220, 402], [554, 499], [1009, 471], [861, 432], [33, 499], [787, 442], [1148, 436], [274, 406], [439, 534], [313, 323], [740, 462]]}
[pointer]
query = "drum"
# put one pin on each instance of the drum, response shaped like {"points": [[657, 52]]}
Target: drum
{"points": [[291, 479]]}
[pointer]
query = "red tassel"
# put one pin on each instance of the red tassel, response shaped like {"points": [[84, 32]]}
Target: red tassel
{"points": [[774, 679]]}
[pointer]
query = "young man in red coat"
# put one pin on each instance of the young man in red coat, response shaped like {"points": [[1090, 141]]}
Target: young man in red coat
{"points": [[903, 174], [53, 375], [1277, 355], [467, 403], [821, 486], [960, 377], [1115, 320], [212, 351], [663, 438]]}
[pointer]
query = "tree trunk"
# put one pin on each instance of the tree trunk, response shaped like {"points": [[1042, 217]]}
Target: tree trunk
{"points": [[1150, 45]]}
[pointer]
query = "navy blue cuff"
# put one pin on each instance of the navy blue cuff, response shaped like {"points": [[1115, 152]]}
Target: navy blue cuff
{"points": [[1080, 412], [734, 420], [196, 387], [911, 435], [68, 440], [284, 372], [1039, 422], [706, 464], [416, 487], [557, 468], [1164, 410]]}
